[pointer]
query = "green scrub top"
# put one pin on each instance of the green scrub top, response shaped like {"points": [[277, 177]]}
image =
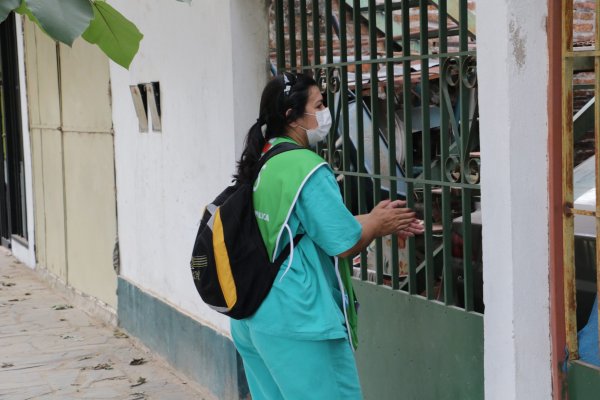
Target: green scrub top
{"points": [[306, 303]]}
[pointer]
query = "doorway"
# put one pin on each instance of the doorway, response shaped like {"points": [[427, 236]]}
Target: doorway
{"points": [[13, 210]]}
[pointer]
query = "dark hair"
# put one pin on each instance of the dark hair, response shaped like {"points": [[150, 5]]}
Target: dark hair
{"points": [[284, 92]]}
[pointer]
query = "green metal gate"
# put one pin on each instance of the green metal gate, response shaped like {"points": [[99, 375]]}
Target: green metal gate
{"points": [[400, 79]]}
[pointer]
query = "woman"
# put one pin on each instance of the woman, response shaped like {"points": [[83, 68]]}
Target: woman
{"points": [[296, 345]]}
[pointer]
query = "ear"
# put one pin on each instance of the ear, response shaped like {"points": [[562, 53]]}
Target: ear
{"points": [[293, 124]]}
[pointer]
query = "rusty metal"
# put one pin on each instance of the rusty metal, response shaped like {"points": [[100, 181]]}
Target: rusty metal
{"points": [[581, 53], [557, 310], [575, 211], [567, 181]]}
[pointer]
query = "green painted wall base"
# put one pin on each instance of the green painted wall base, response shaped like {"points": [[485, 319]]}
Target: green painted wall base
{"points": [[583, 381], [196, 350], [410, 348], [414, 349]]}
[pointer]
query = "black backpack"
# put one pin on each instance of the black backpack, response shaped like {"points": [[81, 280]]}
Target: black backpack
{"points": [[230, 265]]}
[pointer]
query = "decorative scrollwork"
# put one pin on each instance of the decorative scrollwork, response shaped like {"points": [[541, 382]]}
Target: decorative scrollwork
{"points": [[469, 72], [459, 83], [325, 155], [452, 168], [450, 69], [473, 170], [337, 160], [454, 69], [322, 80], [334, 82], [328, 79]]}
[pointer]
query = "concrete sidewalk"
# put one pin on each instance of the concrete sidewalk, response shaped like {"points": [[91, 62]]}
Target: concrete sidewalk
{"points": [[50, 350]]}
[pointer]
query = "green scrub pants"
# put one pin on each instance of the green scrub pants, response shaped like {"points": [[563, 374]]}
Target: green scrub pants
{"points": [[292, 369]]}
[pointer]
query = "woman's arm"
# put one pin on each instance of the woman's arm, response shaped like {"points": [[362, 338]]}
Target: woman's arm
{"points": [[386, 218]]}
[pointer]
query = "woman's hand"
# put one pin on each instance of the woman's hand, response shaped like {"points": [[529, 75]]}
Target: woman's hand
{"points": [[388, 217], [416, 227]]}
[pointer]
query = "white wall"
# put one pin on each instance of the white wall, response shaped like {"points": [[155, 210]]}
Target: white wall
{"points": [[513, 83], [25, 254], [250, 63], [210, 61]]}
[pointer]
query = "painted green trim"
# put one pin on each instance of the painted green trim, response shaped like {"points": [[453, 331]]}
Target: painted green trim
{"points": [[583, 381], [198, 351], [412, 348]]}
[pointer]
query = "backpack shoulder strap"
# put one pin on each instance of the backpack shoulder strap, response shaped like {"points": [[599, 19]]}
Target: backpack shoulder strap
{"points": [[272, 152]]}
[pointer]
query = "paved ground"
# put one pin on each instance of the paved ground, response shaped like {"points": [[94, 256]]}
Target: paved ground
{"points": [[50, 350]]}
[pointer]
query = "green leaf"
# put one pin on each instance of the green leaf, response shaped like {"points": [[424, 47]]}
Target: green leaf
{"points": [[23, 10], [6, 6], [116, 36], [63, 20]]}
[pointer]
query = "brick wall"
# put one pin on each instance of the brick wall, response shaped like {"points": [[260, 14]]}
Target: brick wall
{"points": [[584, 21], [433, 18]]}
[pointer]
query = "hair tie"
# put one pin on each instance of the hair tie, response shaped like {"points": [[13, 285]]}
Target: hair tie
{"points": [[288, 83], [263, 127]]}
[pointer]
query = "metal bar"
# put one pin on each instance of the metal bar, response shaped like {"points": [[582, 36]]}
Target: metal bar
{"points": [[408, 156], [467, 249], [360, 151], [466, 193], [418, 181], [292, 33], [279, 32], [567, 182], [316, 35], [397, 5], [375, 132], [329, 74], [391, 130], [444, 153], [329, 31], [426, 149], [344, 105], [433, 33], [581, 53], [576, 211], [557, 314], [395, 60], [303, 34]]}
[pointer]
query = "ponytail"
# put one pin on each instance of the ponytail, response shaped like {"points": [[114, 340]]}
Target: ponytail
{"points": [[255, 142], [284, 92]]}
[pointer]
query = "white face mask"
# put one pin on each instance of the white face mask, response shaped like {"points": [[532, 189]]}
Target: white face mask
{"points": [[320, 132]]}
